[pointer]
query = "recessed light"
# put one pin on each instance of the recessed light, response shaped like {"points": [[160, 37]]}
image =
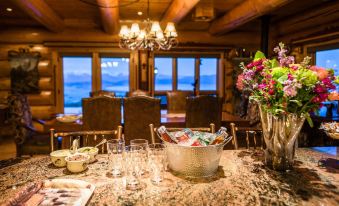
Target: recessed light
{"points": [[35, 34], [139, 13], [9, 9]]}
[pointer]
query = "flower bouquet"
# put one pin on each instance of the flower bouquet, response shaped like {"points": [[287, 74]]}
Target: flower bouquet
{"points": [[286, 92]]}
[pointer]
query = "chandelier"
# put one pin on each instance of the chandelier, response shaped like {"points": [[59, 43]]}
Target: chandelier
{"points": [[150, 38]]}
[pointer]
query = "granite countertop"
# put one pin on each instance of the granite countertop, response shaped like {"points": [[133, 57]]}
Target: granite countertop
{"points": [[242, 179]]}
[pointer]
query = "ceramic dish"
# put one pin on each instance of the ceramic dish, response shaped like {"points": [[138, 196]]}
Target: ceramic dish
{"points": [[91, 151], [68, 118], [58, 157], [77, 163]]}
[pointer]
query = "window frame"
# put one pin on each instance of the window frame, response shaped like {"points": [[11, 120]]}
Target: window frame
{"points": [[113, 55], [95, 55], [197, 58]]}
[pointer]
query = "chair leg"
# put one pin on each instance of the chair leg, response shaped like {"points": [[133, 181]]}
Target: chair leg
{"points": [[255, 139], [18, 150], [247, 140]]}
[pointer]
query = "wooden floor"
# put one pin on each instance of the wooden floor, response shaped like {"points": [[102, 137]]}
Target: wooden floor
{"points": [[7, 149]]}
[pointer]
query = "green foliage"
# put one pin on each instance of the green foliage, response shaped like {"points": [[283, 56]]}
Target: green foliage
{"points": [[259, 55]]}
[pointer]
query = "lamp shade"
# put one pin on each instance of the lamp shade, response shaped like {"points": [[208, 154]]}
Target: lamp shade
{"points": [[142, 34], [124, 31], [135, 30], [170, 27], [155, 27]]}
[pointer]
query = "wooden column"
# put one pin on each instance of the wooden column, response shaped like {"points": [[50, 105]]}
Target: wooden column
{"points": [[109, 15], [40, 11]]}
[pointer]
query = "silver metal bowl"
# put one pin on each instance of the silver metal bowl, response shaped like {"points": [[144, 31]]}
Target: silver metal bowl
{"points": [[194, 161]]}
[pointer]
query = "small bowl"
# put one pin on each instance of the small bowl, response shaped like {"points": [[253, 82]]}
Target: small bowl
{"points": [[77, 163], [91, 151], [58, 157], [67, 118]]}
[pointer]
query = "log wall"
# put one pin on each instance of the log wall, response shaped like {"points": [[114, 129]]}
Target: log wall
{"points": [[42, 104]]}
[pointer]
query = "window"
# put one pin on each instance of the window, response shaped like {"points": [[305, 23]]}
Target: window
{"points": [[163, 74], [115, 75], [77, 74], [208, 74], [186, 71], [328, 59]]}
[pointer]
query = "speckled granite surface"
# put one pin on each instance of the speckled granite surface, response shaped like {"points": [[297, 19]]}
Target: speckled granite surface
{"points": [[241, 180]]}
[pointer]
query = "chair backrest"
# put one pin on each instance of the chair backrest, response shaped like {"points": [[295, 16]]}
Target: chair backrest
{"points": [[153, 130], [101, 113], [176, 101], [203, 110], [247, 132], [102, 93], [138, 92], [139, 112], [84, 136]]}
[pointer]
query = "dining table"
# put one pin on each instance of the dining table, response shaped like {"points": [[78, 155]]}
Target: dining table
{"points": [[241, 179], [176, 120]]}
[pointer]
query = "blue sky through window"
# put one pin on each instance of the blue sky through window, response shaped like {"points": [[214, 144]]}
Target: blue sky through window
{"points": [[328, 59], [208, 74], [115, 75], [77, 74], [163, 74], [186, 67]]}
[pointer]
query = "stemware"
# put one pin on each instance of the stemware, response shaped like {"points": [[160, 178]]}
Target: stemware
{"points": [[144, 152], [134, 162], [116, 150], [156, 162]]}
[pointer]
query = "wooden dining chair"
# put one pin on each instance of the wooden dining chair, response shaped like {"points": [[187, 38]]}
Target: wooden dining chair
{"points": [[253, 132], [153, 130], [203, 110], [139, 112], [102, 93], [176, 101], [100, 113], [84, 137]]}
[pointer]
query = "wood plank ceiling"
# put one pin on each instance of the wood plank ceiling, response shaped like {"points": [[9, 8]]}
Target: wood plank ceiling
{"points": [[55, 15]]}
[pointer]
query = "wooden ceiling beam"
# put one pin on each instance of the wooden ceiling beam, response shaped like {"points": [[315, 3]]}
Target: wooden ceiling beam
{"points": [[178, 9], [243, 13], [109, 16], [311, 18], [40, 11]]}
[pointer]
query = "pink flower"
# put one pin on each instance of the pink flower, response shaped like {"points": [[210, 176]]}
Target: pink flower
{"points": [[262, 86], [322, 73], [258, 62], [259, 68], [290, 77], [240, 83], [249, 66], [328, 83], [290, 91], [319, 89]]}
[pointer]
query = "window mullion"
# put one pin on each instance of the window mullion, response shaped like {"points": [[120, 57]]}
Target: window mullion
{"points": [[197, 73], [174, 74]]}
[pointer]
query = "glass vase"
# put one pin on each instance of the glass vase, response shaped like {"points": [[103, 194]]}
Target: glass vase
{"points": [[280, 135]]}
